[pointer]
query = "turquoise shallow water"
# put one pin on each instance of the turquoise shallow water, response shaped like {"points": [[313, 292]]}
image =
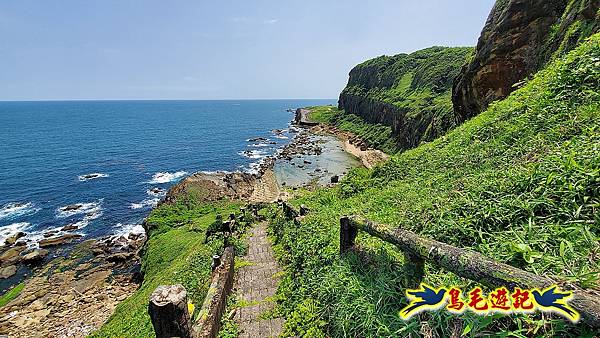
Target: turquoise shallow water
{"points": [[134, 147], [304, 169]]}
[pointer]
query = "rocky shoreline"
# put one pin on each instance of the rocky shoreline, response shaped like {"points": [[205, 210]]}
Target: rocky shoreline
{"points": [[72, 287], [76, 290]]}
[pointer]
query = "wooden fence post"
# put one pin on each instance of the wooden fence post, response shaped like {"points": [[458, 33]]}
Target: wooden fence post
{"points": [[415, 269], [168, 311], [348, 234]]}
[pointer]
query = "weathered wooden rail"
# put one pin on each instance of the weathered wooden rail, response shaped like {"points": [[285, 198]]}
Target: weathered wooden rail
{"points": [[464, 263], [168, 306]]}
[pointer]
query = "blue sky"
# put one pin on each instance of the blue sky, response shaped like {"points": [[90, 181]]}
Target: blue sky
{"points": [[125, 49]]}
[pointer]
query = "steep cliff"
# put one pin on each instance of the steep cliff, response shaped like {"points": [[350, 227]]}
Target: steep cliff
{"points": [[519, 38], [411, 93]]}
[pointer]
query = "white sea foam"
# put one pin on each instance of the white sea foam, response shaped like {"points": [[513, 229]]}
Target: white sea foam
{"points": [[92, 210], [11, 229], [259, 145], [166, 177], [126, 229], [156, 192], [281, 137], [253, 154], [145, 203], [13, 210], [93, 176]]}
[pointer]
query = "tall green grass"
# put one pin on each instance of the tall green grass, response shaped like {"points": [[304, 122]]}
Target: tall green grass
{"points": [[177, 252], [519, 183]]}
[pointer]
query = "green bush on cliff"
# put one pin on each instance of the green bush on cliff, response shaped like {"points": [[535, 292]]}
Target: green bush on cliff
{"points": [[176, 253], [519, 183], [410, 93], [377, 136]]}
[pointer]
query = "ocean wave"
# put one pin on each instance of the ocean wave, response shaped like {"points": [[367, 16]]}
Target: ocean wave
{"points": [[253, 154], [11, 229], [145, 204], [156, 192], [88, 177], [13, 210], [281, 137], [126, 229], [166, 177], [92, 210], [259, 145]]}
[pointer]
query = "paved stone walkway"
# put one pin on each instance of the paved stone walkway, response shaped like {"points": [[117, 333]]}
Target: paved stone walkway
{"points": [[256, 285]]}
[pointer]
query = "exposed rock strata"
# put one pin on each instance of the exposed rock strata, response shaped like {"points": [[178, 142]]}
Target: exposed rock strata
{"points": [[518, 39]]}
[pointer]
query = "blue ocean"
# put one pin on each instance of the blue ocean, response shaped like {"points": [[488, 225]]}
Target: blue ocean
{"points": [[100, 166]]}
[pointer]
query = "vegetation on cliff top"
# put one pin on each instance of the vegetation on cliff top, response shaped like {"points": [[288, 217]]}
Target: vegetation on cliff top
{"points": [[519, 183], [411, 93]]}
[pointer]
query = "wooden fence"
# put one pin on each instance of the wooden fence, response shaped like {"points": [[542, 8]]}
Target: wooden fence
{"points": [[168, 306], [464, 263]]}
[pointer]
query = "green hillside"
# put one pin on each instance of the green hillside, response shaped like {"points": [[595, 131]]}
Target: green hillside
{"points": [[519, 183], [410, 93]]}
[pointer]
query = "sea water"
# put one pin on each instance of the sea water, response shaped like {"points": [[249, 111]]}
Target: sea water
{"points": [[116, 159]]}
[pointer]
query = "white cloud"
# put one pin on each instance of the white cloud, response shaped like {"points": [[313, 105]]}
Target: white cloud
{"points": [[249, 21]]}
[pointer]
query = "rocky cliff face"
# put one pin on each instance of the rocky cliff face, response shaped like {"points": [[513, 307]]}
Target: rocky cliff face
{"points": [[519, 37], [411, 93]]}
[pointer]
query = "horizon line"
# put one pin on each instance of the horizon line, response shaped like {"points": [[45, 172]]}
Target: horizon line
{"points": [[239, 99]]}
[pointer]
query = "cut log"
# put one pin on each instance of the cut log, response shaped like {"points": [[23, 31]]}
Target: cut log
{"points": [[168, 311]]}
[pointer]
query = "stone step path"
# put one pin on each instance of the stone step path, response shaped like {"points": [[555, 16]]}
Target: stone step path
{"points": [[255, 285]]}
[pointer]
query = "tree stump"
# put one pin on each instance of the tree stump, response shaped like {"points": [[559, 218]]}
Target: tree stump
{"points": [[348, 234], [168, 311]]}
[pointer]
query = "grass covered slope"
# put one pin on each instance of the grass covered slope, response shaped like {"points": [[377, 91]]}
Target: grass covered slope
{"points": [[177, 252], [519, 183], [410, 93], [377, 136]]}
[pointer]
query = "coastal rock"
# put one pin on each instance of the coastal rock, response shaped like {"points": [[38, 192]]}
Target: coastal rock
{"points": [[69, 227], [71, 207], [11, 255], [519, 38], [8, 271], [49, 242], [34, 256], [335, 179], [13, 239], [258, 139]]}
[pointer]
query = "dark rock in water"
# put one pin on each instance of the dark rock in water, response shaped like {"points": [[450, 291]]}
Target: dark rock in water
{"points": [[156, 191], [518, 39], [71, 207], [307, 162], [300, 166], [13, 239], [35, 256], [50, 233], [48, 242], [318, 170], [258, 139], [69, 227], [335, 179], [8, 271]]}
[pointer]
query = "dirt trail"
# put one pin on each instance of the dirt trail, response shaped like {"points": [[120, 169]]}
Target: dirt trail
{"points": [[256, 285], [266, 188]]}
